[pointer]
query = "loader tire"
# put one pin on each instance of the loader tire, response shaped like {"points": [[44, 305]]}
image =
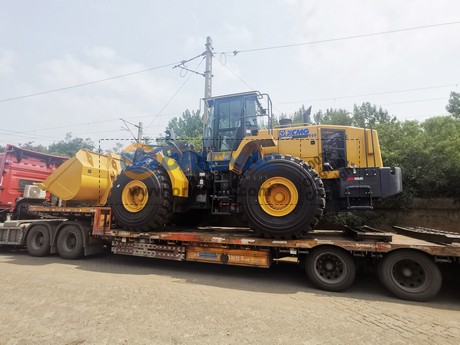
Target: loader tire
{"points": [[281, 197], [143, 204]]}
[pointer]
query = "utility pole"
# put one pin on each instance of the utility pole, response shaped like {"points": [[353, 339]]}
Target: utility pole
{"points": [[139, 132], [208, 78]]}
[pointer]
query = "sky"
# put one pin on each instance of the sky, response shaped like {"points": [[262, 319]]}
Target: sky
{"points": [[47, 45]]}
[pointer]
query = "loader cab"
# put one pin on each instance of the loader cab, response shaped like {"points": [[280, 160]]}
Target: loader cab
{"points": [[231, 119]]}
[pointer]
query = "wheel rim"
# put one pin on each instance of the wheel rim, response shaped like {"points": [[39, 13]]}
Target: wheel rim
{"points": [[278, 196], [135, 196], [70, 242], [330, 268], [38, 240], [410, 275]]}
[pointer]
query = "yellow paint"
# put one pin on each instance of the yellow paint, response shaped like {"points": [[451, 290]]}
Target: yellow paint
{"points": [[179, 182], [134, 196], [87, 176], [278, 196], [309, 148]]}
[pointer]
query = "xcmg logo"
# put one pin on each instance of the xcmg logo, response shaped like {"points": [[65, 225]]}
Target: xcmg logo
{"points": [[293, 132]]}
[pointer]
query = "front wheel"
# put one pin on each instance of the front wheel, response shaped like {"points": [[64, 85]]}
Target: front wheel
{"points": [[330, 268], [141, 199], [410, 275]]}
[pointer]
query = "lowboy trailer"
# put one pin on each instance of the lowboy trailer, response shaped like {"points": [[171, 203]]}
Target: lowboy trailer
{"points": [[406, 262]]}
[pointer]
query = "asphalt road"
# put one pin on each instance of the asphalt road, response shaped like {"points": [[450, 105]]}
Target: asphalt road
{"points": [[112, 299]]}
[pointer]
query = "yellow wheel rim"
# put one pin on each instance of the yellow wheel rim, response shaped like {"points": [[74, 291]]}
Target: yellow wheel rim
{"points": [[278, 196], [134, 196]]}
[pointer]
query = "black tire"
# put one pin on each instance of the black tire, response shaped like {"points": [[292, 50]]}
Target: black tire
{"points": [[410, 275], [308, 209], [158, 209], [38, 240], [70, 242], [330, 268]]}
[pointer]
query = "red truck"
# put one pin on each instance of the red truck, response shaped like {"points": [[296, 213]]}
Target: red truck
{"points": [[19, 169]]}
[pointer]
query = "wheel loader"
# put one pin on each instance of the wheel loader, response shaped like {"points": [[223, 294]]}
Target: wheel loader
{"points": [[278, 179]]}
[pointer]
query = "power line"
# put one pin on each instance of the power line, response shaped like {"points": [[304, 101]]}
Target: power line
{"points": [[167, 103], [85, 84], [369, 94], [235, 52]]}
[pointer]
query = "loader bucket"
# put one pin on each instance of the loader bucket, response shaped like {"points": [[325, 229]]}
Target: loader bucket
{"points": [[88, 176]]}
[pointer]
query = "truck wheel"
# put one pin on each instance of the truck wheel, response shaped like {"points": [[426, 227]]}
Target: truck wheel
{"points": [[38, 241], [330, 268], [281, 197], [70, 243], [144, 204], [410, 275]]}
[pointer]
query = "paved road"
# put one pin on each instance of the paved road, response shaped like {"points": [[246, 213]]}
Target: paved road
{"points": [[110, 299]]}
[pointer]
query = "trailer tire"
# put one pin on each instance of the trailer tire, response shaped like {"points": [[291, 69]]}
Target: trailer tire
{"points": [[70, 242], [281, 197], [149, 211], [410, 275], [38, 240], [330, 268]]}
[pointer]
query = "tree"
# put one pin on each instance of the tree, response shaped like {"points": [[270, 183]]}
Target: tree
{"points": [[338, 117], [453, 107], [369, 114], [2, 149], [189, 125], [37, 148], [69, 147]]}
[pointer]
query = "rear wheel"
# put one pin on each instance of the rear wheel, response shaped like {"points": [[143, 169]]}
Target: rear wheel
{"points": [[281, 197], [330, 268], [142, 204], [410, 275], [70, 243], [38, 241]]}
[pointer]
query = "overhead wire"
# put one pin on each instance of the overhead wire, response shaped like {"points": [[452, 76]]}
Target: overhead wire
{"points": [[85, 84], [370, 94], [170, 100], [235, 52]]}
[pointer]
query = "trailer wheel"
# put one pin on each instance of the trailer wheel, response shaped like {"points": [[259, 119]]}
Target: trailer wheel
{"points": [[330, 268], [281, 197], [410, 275], [145, 204], [70, 243], [38, 241]]}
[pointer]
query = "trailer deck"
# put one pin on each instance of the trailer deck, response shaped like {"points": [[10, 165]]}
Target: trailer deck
{"points": [[407, 263]]}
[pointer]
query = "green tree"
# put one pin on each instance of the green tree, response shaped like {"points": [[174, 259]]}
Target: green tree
{"points": [[338, 117], [37, 148], [370, 114], [2, 148], [189, 125], [70, 146], [453, 107]]}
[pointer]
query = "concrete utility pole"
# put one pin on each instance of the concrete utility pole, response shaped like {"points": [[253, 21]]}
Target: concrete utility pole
{"points": [[208, 78], [139, 132]]}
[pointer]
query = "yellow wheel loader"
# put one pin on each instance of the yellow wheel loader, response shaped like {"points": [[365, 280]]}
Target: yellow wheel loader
{"points": [[279, 179]]}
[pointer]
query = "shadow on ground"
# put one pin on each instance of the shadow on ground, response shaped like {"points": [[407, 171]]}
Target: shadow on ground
{"points": [[281, 278]]}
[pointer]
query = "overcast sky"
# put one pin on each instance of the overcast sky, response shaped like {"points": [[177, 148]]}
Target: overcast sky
{"points": [[47, 45]]}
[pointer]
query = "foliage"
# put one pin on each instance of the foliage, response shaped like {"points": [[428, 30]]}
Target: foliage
{"points": [[338, 117], [453, 107], [189, 125], [2, 149], [67, 147], [369, 114]]}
